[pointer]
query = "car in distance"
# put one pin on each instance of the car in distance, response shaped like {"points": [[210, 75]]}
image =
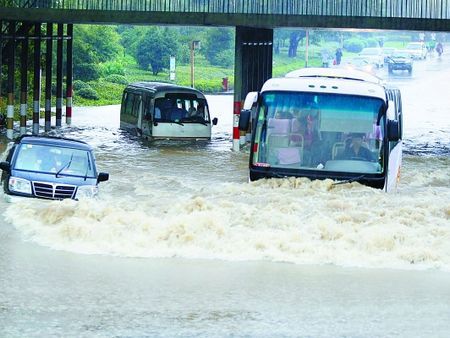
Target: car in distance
{"points": [[373, 56], [51, 168], [387, 51], [417, 50], [400, 60], [361, 64]]}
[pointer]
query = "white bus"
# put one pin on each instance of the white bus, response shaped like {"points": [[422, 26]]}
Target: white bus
{"points": [[326, 123], [164, 111]]}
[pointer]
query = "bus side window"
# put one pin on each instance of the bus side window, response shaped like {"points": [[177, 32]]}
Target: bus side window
{"points": [[129, 98], [124, 99], [136, 106]]}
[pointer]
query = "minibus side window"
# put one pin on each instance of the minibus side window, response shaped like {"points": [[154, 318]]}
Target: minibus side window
{"points": [[136, 105], [130, 111], [128, 103]]}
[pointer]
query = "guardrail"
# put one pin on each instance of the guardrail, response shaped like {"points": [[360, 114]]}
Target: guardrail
{"points": [[421, 9]]}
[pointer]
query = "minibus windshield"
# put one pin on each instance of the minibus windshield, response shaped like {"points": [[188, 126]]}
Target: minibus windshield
{"points": [[319, 131], [181, 109]]}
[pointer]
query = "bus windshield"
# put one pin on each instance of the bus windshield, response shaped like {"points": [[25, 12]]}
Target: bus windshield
{"points": [[179, 108], [319, 131]]}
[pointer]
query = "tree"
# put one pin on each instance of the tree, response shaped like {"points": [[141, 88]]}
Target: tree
{"points": [[294, 39], [92, 45], [218, 44], [130, 37], [155, 48], [96, 43]]}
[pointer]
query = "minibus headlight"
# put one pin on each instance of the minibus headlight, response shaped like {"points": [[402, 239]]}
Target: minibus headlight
{"points": [[86, 191], [19, 185]]}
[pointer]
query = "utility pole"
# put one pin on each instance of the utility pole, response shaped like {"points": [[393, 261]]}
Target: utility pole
{"points": [[306, 48], [194, 45]]}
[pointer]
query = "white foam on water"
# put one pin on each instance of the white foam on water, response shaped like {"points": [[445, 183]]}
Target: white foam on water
{"points": [[288, 220]]}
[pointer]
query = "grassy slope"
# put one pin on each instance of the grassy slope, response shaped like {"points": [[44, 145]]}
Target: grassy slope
{"points": [[207, 78]]}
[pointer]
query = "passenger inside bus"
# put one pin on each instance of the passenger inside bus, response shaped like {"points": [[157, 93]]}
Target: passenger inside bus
{"points": [[169, 110], [163, 108]]}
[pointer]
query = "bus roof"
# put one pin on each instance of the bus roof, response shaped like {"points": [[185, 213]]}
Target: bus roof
{"points": [[157, 87], [328, 85], [336, 73]]}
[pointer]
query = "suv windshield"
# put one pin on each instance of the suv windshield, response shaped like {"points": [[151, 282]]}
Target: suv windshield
{"points": [[319, 131], [181, 109], [54, 159]]}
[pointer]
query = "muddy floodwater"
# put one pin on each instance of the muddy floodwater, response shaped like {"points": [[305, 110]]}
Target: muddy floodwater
{"points": [[179, 243]]}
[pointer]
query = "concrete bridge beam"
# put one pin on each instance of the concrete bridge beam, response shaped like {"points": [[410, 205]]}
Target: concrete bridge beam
{"points": [[270, 21]]}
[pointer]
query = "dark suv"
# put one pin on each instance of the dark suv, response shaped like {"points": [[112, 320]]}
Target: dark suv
{"points": [[51, 167], [400, 60]]}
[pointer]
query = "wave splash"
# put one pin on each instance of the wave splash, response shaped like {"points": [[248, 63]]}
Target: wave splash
{"points": [[287, 220]]}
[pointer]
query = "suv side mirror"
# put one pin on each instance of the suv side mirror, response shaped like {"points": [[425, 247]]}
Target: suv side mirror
{"points": [[102, 177], [5, 166], [244, 119], [393, 131], [214, 121]]}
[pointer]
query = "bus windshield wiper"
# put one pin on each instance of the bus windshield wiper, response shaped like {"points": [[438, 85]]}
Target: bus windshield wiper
{"points": [[350, 180], [65, 166], [178, 122]]}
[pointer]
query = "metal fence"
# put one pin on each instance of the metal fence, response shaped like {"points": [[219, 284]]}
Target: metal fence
{"points": [[422, 9]]}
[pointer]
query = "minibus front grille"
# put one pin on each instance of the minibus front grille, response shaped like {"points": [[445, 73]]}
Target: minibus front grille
{"points": [[53, 190]]}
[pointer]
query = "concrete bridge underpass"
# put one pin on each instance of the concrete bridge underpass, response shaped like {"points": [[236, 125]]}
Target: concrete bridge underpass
{"points": [[22, 21]]}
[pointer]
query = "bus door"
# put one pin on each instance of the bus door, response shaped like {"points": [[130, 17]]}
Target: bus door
{"points": [[394, 149], [145, 116], [138, 108]]}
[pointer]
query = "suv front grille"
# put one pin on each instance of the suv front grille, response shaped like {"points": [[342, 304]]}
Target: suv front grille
{"points": [[53, 190]]}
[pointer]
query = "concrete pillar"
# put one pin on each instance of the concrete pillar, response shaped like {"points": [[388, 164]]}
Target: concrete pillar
{"points": [[48, 77], [11, 69], [253, 66], [69, 74], [24, 85], [59, 74], [37, 78]]}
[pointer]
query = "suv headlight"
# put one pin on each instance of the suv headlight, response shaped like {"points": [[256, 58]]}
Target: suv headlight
{"points": [[86, 191], [19, 185]]}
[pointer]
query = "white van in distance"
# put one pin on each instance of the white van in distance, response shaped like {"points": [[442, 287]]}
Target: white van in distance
{"points": [[157, 110]]}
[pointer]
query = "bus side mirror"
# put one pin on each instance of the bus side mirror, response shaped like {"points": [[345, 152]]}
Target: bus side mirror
{"points": [[214, 121], [5, 166], [102, 177], [244, 119], [393, 131]]}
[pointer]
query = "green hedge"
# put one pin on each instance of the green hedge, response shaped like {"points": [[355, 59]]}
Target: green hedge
{"points": [[88, 93], [354, 45], [78, 85], [86, 72], [115, 78]]}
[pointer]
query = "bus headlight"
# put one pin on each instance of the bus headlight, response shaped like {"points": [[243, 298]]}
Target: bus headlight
{"points": [[86, 191], [19, 185]]}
